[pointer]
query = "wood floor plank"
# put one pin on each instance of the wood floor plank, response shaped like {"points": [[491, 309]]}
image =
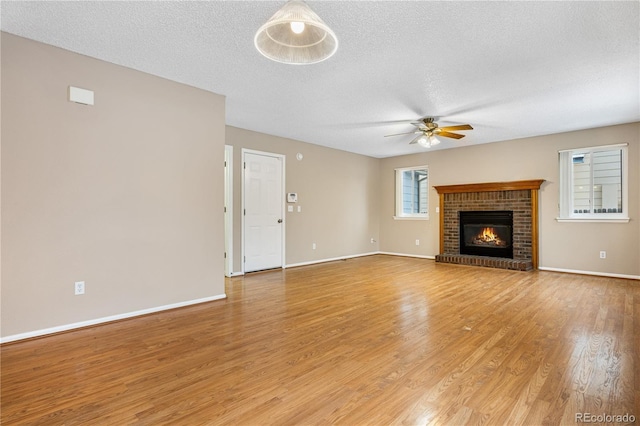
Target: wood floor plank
{"points": [[373, 340]]}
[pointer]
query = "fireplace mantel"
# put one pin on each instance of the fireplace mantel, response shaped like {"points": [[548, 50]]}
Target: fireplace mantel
{"points": [[491, 186], [530, 187]]}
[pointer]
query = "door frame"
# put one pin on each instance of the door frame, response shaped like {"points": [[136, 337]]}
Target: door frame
{"points": [[282, 207], [228, 210]]}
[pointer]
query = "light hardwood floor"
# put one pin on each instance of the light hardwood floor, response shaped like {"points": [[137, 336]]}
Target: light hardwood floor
{"points": [[377, 340]]}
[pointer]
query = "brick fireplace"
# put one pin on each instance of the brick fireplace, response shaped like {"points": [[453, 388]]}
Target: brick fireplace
{"points": [[519, 197]]}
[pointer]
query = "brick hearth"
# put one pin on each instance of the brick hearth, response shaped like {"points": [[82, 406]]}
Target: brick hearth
{"points": [[521, 197], [491, 262]]}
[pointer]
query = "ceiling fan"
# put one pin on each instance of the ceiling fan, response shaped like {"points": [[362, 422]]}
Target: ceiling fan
{"points": [[428, 129]]}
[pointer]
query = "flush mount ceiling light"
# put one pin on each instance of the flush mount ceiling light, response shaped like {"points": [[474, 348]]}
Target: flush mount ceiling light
{"points": [[296, 35]]}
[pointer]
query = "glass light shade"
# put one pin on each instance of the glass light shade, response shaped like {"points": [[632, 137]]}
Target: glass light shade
{"points": [[424, 141], [434, 140], [277, 40]]}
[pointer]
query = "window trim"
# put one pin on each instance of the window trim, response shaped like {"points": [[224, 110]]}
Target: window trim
{"points": [[399, 215], [565, 205]]}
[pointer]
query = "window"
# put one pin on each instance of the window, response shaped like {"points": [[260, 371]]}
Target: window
{"points": [[593, 183], [412, 193]]}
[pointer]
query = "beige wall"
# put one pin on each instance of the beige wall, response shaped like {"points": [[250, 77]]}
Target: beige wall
{"points": [[124, 195], [572, 246], [337, 191]]}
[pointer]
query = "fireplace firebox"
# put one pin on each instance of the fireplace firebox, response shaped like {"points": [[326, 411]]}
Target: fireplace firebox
{"points": [[487, 233]]}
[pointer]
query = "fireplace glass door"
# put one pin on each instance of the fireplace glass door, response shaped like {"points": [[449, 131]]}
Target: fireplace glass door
{"points": [[486, 233]]}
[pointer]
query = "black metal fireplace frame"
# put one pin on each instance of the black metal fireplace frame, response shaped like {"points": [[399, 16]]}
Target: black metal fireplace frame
{"points": [[487, 219]]}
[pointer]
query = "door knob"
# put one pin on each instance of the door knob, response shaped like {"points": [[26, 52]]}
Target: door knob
{"points": [[279, 220]]}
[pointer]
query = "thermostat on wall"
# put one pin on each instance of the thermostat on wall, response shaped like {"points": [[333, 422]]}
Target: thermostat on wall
{"points": [[292, 197]]}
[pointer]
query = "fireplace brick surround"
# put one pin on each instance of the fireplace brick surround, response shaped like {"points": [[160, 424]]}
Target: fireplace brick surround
{"points": [[521, 197]]}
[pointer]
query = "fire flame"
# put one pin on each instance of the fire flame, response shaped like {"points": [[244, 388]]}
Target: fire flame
{"points": [[488, 234], [488, 237]]}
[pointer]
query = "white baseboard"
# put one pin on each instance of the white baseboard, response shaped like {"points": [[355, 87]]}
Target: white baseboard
{"points": [[599, 274], [541, 268], [332, 259], [420, 256], [313, 262], [103, 320]]}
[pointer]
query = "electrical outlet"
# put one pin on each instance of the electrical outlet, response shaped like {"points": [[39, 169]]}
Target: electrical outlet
{"points": [[79, 287], [417, 242], [373, 241], [313, 246], [603, 255]]}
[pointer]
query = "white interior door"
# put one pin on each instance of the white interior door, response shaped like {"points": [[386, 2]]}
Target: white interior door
{"points": [[263, 211]]}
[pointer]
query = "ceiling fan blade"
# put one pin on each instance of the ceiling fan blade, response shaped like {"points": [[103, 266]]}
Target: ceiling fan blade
{"points": [[398, 134], [460, 127], [449, 134]]}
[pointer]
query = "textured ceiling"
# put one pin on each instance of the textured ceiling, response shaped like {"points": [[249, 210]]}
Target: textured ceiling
{"points": [[510, 69]]}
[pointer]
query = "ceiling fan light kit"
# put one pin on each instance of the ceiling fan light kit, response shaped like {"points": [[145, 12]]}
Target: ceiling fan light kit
{"points": [[295, 34], [434, 140], [426, 140]]}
